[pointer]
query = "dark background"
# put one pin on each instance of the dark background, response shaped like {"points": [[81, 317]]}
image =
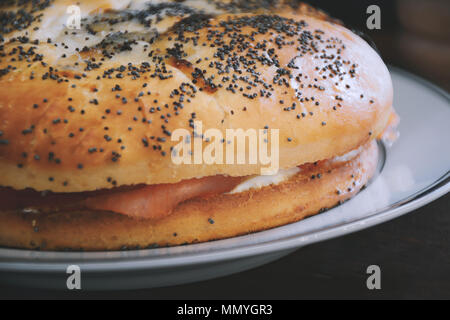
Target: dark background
{"points": [[414, 34], [413, 251]]}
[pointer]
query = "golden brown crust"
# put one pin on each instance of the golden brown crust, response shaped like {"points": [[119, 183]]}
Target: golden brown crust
{"points": [[71, 132], [196, 220]]}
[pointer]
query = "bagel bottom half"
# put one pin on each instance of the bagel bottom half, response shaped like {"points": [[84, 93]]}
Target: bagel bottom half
{"points": [[313, 189]]}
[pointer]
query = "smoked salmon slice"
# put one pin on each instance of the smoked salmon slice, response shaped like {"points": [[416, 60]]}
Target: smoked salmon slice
{"points": [[148, 202], [156, 201]]}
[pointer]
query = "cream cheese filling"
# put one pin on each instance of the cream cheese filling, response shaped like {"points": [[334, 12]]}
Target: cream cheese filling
{"points": [[262, 181], [282, 175]]}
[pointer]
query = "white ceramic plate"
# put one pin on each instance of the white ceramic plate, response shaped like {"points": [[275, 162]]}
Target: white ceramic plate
{"points": [[414, 171]]}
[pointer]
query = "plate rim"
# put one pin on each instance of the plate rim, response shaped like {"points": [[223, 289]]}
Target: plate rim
{"points": [[91, 265]]}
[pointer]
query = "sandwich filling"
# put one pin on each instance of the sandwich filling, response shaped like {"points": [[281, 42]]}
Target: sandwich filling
{"points": [[149, 201]]}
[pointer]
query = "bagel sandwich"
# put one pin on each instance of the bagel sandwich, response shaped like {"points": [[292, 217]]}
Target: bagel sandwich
{"points": [[92, 96]]}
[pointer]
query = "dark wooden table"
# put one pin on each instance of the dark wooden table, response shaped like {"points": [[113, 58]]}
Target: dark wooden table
{"points": [[412, 251]]}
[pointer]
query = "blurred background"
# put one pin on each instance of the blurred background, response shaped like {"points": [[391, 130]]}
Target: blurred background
{"points": [[414, 34]]}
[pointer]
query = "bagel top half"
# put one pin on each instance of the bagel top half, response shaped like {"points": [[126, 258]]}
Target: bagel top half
{"points": [[95, 108]]}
